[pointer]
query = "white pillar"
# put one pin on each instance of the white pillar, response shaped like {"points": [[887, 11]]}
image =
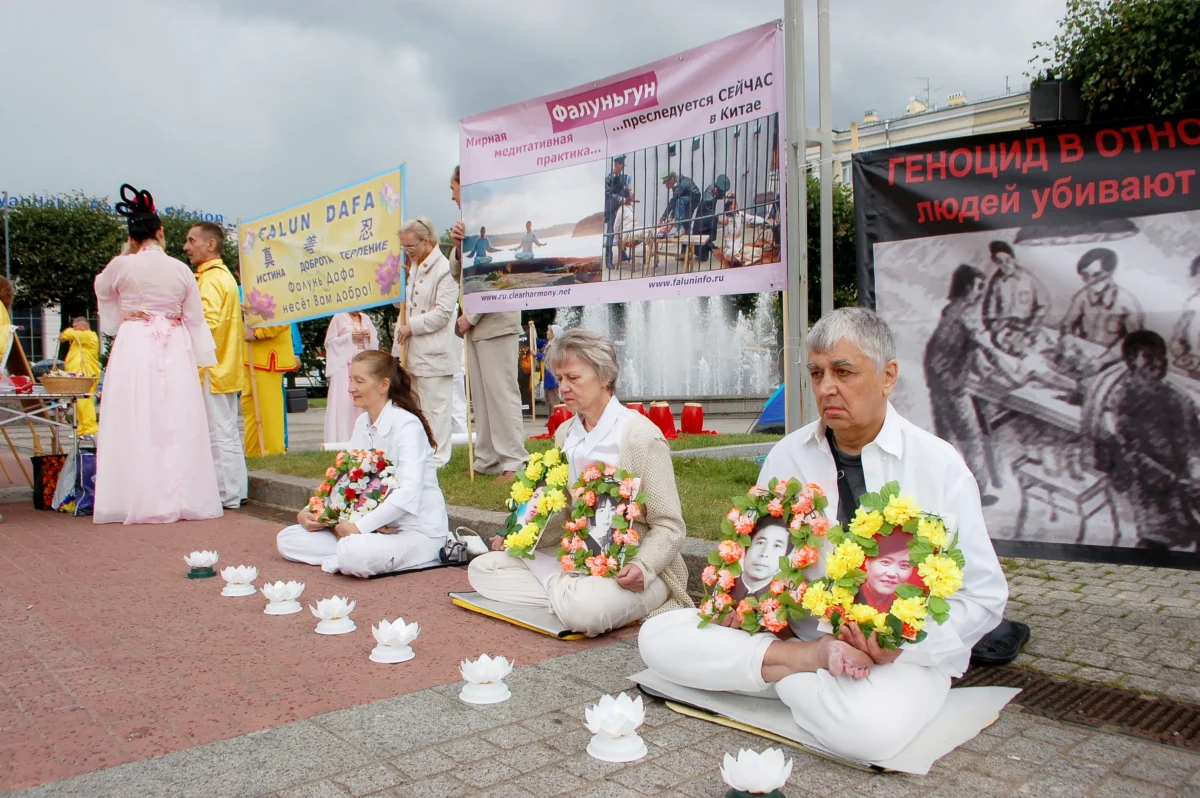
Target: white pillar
{"points": [[51, 328]]}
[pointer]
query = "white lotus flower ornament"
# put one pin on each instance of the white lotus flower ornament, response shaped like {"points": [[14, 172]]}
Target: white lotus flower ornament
{"points": [[201, 563], [334, 615], [239, 580], [756, 774], [613, 724], [485, 680], [281, 597], [393, 639]]}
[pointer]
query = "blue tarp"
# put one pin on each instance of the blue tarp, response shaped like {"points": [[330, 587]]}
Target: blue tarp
{"points": [[773, 413]]}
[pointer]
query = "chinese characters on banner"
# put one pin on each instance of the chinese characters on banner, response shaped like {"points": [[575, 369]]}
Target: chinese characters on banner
{"points": [[331, 254], [658, 183], [1044, 289]]}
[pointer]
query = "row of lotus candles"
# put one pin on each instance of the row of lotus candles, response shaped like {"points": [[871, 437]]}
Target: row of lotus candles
{"points": [[613, 722]]}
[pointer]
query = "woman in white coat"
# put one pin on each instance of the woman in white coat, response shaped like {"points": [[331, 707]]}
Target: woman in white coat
{"points": [[409, 527], [348, 334]]}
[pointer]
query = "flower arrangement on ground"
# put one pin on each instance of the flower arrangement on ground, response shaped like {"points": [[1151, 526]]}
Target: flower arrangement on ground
{"points": [[354, 485], [890, 572], [538, 492], [764, 592], [620, 495]]}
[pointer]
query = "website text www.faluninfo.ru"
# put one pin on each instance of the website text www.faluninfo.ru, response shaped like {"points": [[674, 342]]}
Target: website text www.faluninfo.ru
{"points": [[692, 280]]}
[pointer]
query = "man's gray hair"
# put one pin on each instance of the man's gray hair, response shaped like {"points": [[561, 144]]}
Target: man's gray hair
{"points": [[864, 328], [421, 227], [589, 347]]}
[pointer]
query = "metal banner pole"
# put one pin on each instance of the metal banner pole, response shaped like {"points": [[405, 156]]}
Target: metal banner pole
{"points": [[796, 380]]}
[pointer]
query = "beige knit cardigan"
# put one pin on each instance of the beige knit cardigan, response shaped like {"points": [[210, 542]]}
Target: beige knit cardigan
{"points": [[645, 454]]}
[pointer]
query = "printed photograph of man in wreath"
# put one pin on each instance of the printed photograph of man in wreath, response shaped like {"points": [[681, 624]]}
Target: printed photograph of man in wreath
{"points": [[886, 571], [770, 541]]}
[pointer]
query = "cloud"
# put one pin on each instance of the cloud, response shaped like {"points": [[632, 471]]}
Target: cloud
{"points": [[244, 108]]}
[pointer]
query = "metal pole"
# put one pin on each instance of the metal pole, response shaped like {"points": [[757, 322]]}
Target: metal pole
{"points": [[796, 380], [7, 257], [826, 174]]}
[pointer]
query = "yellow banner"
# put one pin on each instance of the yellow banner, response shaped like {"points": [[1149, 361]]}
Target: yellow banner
{"points": [[331, 254]]}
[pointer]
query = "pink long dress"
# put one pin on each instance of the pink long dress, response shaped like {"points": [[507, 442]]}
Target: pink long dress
{"points": [[340, 349], [153, 460]]}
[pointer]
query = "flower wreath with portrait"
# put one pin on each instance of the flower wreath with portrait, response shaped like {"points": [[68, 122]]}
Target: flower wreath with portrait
{"points": [[538, 492], [784, 514], [602, 484], [354, 485], [890, 572]]}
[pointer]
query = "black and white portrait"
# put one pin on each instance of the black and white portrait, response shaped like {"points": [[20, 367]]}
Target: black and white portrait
{"points": [[1064, 365], [770, 541]]}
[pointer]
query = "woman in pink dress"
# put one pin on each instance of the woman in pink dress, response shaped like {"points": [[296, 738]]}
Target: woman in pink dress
{"points": [[348, 334], [153, 461]]}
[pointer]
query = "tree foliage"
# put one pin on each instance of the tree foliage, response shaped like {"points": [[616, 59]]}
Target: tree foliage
{"points": [[1132, 58]]}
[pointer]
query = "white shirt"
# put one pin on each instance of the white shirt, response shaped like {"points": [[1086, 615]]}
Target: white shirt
{"points": [[934, 474], [416, 503], [602, 444]]}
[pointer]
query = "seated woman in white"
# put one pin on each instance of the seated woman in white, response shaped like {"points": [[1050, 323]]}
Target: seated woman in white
{"points": [[601, 431], [409, 527]]}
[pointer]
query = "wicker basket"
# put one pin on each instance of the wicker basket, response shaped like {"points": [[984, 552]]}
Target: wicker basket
{"points": [[75, 385]]}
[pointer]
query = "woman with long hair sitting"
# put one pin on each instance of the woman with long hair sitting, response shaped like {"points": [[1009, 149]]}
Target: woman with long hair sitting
{"points": [[409, 527], [154, 419]]}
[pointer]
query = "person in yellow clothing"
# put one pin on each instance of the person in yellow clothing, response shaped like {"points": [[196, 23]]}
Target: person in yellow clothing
{"points": [[83, 358], [222, 382], [274, 356]]}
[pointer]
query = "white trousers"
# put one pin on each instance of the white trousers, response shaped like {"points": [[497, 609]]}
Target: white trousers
{"points": [[437, 396], [365, 554], [458, 422], [868, 719], [592, 605], [225, 440]]}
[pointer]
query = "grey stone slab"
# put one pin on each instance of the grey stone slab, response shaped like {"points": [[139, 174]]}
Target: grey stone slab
{"points": [[511, 736], [690, 762], [530, 757], [468, 749], [685, 732], [1030, 750], [484, 773], [396, 725], [421, 764], [649, 778], [443, 786], [550, 782], [1127, 788], [261, 762], [1109, 749], [1161, 766], [589, 769], [505, 791], [369, 779], [607, 789], [320, 789]]}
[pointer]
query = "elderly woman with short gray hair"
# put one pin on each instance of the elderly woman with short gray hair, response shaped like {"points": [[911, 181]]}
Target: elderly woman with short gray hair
{"points": [[431, 352], [601, 430]]}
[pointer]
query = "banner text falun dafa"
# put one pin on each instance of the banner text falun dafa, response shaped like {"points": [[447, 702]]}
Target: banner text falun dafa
{"points": [[331, 254]]}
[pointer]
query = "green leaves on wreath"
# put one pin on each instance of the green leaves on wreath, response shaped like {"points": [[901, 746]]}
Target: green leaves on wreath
{"points": [[878, 501], [852, 580], [905, 590], [939, 609], [920, 550]]}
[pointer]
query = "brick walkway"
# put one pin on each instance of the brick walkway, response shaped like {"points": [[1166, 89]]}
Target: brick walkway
{"points": [[111, 655]]}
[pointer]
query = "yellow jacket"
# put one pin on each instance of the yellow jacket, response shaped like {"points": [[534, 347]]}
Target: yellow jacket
{"points": [[84, 355], [223, 312], [6, 333], [273, 351]]}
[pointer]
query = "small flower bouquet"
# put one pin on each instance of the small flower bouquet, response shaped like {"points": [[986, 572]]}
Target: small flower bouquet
{"points": [[537, 494], [354, 485], [602, 484], [890, 572], [739, 577]]}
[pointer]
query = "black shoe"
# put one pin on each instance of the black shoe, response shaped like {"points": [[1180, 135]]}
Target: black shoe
{"points": [[1002, 645], [987, 500]]}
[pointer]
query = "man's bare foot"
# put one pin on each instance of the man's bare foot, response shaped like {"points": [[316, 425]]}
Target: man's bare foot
{"points": [[843, 659]]}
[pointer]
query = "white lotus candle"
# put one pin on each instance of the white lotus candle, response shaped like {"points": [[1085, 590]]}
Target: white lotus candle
{"points": [[757, 774], [485, 680], [201, 563], [281, 597], [334, 616], [239, 580], [393, 641], [613, 723]]}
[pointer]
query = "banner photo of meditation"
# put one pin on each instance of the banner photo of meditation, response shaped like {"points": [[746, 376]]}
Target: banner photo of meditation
{"points": [[331, 254], [661, 182], [1053, 340]]}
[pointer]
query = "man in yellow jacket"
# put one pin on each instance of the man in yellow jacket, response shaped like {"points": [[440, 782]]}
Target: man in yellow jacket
{"points": [[222, 382], [83, 358], [274, 356]]}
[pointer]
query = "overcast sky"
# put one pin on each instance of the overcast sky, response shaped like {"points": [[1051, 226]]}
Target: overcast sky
{"points": [[242, 108]]}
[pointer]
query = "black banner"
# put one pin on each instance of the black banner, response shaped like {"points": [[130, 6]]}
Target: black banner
{"points": [[1044, 289]]}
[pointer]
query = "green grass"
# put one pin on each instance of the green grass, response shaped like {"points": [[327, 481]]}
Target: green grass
{"points": [[317, 404], [706, 441], [706, 486]]}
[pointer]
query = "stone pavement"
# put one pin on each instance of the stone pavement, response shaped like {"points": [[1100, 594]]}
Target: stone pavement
{"points": [[429, 744], [109, 656]]}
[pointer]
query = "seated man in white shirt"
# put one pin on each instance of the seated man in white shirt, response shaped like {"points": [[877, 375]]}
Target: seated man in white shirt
{"points": [[859, 444]]}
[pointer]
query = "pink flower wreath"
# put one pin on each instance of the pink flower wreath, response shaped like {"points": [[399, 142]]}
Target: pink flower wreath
{"points": [[596, 481], [802, 510]]}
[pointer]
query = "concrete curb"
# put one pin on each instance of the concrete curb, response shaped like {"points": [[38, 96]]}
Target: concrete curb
{"points": [[747, 451], [283, 492]]}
